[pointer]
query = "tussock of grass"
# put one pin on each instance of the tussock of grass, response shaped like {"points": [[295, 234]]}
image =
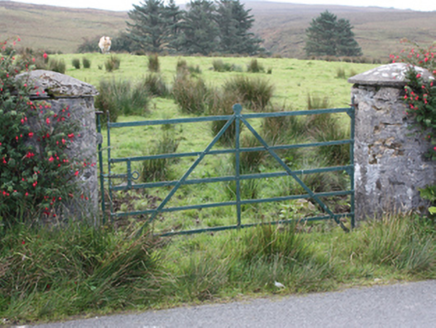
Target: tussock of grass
{"points": [[49, 273], [254, 92]]}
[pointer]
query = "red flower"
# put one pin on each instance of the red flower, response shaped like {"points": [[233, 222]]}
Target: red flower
{"points": [[47, 120], [30, 134], [45, 55]]}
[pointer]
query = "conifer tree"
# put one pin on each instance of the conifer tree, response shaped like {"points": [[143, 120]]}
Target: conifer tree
{"points": [[199, 28], [328, 36], [150, 27], [234, 23]]}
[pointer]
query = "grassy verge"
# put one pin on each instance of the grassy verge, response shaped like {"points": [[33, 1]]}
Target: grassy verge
{"points": [[52, 273]]}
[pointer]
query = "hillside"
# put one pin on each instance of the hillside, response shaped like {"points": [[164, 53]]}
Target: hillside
{"points": [[281, 25]]}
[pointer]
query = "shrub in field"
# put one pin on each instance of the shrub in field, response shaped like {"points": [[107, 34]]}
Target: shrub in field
{"points": [[76, 63], [255, 67], [36, 173], [340, 73], [190, 93], [250, 162], [56, 65], [183, 68], [155, 86], [54, 273], [283, 129], [158, 169], [315, 102], [121, 97], [112, 63], [221, 103], [86, 62], [220, 66], [153, 63], [253, 92]]}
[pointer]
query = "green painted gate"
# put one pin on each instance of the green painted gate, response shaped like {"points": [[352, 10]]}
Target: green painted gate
{"points": [[239, 119]]}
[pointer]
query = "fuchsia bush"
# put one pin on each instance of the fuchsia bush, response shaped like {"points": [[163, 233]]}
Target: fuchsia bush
{"points": [[36, 173], [420, 94]]}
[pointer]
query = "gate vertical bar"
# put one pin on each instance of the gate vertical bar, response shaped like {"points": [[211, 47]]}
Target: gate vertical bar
{"points": [[352, 127], [237, 108], [100, 163], [109, 165]]}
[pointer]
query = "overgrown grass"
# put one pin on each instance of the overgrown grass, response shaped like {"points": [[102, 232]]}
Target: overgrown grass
{"points": [[56, 65], [153, 63], [121, 98], [254, 92], [159, 169], [112, 63], [190, 93], [76, 63], [49, 273]]}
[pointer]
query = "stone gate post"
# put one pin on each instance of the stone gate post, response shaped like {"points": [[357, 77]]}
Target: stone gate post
{"points": [[390, 166], [61, 91]]}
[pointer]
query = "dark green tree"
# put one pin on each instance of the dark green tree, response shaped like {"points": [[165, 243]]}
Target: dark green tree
{"points": [[173, 14], [328, 36], [234, 23], [199, 28], [150, 27], [346, 45]]}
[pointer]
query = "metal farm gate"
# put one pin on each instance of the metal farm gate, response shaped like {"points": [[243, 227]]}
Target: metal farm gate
{"points": [[129, 176]]}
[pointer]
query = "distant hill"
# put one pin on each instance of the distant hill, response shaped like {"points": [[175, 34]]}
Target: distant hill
{"points": [[281, 25]]}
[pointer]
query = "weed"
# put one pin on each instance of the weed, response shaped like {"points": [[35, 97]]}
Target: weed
{"points": [[56, 65], [86, 62], [255, 67], [155, 86], [153, 63], [191, 94], [158, 169], [220, 66], [256, 93], [340, 73], [112, 63], [76, 63]]}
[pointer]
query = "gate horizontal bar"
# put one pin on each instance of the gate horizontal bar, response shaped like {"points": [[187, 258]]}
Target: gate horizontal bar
{"points": [[226, 178], [226, 117], [232, 151], [247, 225], [243, 202]]}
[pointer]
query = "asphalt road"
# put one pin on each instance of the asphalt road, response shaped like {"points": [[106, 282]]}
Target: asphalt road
{"points": [[401, 305]]}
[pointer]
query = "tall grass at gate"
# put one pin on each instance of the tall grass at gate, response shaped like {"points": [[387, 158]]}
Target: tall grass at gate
{"points": [[155, 85], [50, 273], [159, 169]]}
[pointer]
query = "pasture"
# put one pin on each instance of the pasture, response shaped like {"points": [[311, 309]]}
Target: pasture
{"points": [[292, 82]]}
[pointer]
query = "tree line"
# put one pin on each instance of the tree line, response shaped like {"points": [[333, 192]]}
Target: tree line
{"points": [[205, 27]]}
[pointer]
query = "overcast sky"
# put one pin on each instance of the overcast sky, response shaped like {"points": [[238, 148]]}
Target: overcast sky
{"points": [[120, 5]]}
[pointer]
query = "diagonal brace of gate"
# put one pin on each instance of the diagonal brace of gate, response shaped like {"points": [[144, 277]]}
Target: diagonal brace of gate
{"points": [[290, 172], [187, 173]]}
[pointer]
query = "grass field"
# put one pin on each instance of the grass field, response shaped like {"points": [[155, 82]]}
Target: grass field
{"points": [[293, 80]]}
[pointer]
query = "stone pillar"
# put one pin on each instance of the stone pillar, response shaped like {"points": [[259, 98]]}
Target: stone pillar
{"points": [[61, 91], [390, 166]]}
